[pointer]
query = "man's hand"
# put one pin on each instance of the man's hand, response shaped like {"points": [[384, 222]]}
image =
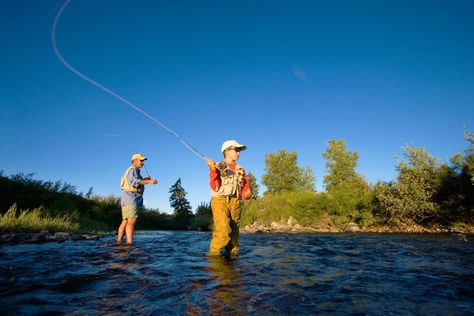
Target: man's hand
{"points": [[149, 180]]}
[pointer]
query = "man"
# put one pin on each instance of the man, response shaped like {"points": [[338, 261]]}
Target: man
{"points": [[133, 186], [229, 185]]}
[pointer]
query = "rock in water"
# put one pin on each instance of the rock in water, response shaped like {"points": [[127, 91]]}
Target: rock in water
{"points": [[39, 237]]}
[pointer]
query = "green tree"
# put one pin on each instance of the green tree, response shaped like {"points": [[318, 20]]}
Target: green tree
{"points": [[340, 168], [89, 193], [469, 155], [254, 187], [283, 174], [306, 182], [413, 195], [180, 205], [456, 192], [348, 191]]}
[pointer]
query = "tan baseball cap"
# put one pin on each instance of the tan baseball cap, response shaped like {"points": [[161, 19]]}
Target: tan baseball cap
{"points": [[138, 156], [232, 143]]}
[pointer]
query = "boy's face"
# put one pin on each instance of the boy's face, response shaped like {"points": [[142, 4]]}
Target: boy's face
{"points": [[232, 153]]}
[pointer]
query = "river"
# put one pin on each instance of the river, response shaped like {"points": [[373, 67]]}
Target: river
{"points": [[168, 273]]}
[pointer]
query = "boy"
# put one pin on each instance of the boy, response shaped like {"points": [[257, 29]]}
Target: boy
{"points": [[229, 185]]}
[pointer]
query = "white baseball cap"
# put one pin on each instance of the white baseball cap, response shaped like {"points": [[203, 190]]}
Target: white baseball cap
{"points": [[232, 143]]}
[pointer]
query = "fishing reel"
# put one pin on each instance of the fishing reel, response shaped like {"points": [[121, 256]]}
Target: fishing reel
{"points": [[224, 169]]}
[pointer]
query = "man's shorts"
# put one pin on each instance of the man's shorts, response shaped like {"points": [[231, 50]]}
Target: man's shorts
{"points": [[130, 211]]}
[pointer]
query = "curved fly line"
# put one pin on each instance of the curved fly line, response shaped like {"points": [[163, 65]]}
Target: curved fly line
{"points": [[104, 88]]}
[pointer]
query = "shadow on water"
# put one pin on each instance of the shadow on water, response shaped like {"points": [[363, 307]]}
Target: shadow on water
{"points": [[169, 273]]}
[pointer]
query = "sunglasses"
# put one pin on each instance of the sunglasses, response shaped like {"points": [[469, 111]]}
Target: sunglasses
{"points": [[236, 149]]}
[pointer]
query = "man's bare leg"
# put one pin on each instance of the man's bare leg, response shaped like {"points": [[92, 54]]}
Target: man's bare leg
{"points": [[121, 231], [129, 229]]}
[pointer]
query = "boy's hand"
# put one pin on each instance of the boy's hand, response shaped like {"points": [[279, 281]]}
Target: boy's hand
{"points": [[246, 195], [211, 164]]}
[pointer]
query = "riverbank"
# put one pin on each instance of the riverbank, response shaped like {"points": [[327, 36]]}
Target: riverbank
{"points": [[326, 225], [13, 238]]}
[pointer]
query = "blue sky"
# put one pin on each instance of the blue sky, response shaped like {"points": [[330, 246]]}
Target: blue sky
{"points": [[272, 74]]}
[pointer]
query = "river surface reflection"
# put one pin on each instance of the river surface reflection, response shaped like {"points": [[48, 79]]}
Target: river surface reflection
{"points": [[306, 274]]}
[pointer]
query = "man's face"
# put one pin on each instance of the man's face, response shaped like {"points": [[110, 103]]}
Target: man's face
{"points": [[137, 163]]}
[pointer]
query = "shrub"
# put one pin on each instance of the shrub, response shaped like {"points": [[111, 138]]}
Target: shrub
{"points": [[303, 206]]}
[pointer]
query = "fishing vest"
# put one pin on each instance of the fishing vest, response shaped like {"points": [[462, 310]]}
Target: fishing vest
{"points": [[231, 182], [126, 186]]}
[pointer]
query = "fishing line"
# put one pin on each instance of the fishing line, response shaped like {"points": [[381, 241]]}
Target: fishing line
{"points": [[104, 88]]}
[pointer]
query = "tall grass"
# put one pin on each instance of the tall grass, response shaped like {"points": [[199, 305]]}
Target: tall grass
{"points": [[51, 201], [34, 221]]}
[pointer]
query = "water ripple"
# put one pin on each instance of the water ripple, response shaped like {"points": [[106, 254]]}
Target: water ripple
{"points": [[168, 273]]}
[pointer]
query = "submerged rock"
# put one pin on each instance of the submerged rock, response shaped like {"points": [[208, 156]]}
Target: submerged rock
{"points": [[11, 238], [39, 237], [91, 237], [62, 235]]}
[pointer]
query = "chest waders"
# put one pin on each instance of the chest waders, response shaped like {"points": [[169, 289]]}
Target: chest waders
{"points": [[226, 211]]}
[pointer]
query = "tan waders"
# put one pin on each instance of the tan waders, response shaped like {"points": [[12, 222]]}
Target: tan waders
{"points": [[226, 215]]}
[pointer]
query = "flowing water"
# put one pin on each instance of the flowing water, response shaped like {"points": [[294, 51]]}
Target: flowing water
{"points": [[168, 273]]}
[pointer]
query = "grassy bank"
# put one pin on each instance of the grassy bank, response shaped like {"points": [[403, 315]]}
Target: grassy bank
{"points": [[329, 212], [35, 220], [307, 208], [41, 205]]}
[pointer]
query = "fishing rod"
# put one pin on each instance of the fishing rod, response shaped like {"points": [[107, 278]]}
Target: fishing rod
{"points": [[147, 173], [104, 88]]}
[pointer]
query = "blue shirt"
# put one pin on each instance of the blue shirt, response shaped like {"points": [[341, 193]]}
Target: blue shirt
{"points": [[133, 198]]}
